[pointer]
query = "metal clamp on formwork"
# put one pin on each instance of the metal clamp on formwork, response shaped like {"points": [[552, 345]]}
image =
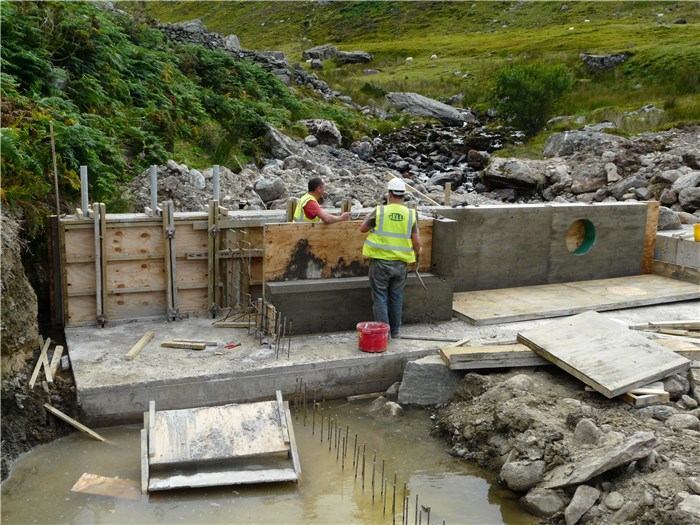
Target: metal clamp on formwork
{"points": [[170, 232], [214, 309], [101, 321], [214, 231]]}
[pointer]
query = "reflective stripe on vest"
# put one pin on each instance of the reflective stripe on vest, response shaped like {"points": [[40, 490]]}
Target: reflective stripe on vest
{"points": [[390, 239], [299, 215]]}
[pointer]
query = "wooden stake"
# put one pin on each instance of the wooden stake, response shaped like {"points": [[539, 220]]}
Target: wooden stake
{"points": [[39, 364], [187, 346], [73, 422], [139, 346], [56, 360], [448, 193], [55, 169]]}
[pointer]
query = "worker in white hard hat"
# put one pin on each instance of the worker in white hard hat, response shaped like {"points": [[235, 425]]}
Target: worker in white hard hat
{"points": [[393, 242], [309, 207]]}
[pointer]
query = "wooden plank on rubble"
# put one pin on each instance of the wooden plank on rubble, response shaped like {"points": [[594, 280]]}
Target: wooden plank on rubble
{"points": [[602, 353]]}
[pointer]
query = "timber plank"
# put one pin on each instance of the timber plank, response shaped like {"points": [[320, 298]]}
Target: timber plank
{"points": [[490, 356], [197, 434], [317, 250], [650, 236], [508, 305], [56, 360], [218, 478], [73, 422], [602, 353]]}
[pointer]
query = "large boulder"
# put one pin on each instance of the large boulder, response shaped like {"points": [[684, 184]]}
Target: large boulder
{"points": [[325, 131], [515, 173], [570, 142], [595, 63], [421, 106], [323, 52], [353, 57]]}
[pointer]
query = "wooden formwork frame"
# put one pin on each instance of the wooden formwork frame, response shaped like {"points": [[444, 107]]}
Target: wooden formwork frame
{"points": [[134, 266]]}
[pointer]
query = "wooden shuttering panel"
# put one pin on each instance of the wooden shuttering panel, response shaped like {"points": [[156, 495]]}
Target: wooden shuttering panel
{"points": [[602, 353], [135, 270], [320, 251]]}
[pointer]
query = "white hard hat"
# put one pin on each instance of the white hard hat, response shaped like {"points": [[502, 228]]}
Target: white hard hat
{"points": [[397, 186]]}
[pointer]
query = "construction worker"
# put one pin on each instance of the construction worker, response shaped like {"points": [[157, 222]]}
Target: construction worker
{"points": [[393, 243], [308, 208]]}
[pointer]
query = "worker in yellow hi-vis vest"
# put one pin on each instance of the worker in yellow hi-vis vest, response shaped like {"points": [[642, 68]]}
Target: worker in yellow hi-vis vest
{"points": [[309, 208], [393, 242]]}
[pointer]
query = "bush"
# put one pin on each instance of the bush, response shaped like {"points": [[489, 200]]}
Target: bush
{"points": [[526, 94]]}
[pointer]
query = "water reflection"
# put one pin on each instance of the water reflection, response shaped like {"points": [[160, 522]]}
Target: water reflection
{"points": [[38, 489]]}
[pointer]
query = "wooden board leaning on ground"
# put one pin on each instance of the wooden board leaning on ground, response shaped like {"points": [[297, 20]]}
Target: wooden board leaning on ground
{"points": [[320, 251], [507, 305], [602, 353]]}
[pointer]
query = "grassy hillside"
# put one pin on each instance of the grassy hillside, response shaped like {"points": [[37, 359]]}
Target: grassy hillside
{"points": [[474, 39]]}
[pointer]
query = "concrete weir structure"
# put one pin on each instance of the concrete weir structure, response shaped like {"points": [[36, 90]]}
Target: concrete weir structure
{"points": [[117, 276]]}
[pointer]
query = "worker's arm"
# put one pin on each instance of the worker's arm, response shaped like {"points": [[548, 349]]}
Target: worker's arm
{"points": [[327, 218], [369, 222], [417, 245]]}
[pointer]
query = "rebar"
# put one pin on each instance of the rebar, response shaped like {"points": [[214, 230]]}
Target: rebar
{"points": [[415, 521], [403, 515], [374, 466], [342, 461], [393, 503], [289, 340], [354, 451], [363, 467]]}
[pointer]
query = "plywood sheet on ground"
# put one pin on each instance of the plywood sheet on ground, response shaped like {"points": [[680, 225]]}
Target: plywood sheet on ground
{"points": [[602, 353], [216, 433], [509, 305]]}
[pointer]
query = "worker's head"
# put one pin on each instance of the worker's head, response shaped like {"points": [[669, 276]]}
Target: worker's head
{"points": [[316, 184], [397, 188]]}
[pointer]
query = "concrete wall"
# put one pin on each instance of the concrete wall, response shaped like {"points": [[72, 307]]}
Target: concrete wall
{"points": [[504, 246]]}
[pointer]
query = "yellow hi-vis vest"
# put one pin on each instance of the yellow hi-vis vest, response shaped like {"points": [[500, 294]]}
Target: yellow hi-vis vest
{"points": [[299, 215], [390, 239]]}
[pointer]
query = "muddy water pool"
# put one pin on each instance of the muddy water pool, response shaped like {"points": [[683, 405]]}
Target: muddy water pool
{"points": [[39, 487]]}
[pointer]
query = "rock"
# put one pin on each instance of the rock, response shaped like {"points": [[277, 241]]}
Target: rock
{"points": [[393, 390], [618, 189], [353, 57], [522, 475], [677, 466], [570, 142], [668, 197], [681, 421], [323, 52], [629, 512], [324, 130], [687, 402], [427, 381], [232, 43], [363, 149], [269, 190], [611, 172], [542, 502], [416, 104], [595, 63], [602, 460], [688, 218], [693, 484], [660, 412], [197, 179], [586, 432], [311, 141], [376, 406], [316, 64], [689, 199], [649, 461], [614, 501], [691, 505], [584, 498], [391, 410], [688, 180], [676, 385], [668, 219], [515, 173]]}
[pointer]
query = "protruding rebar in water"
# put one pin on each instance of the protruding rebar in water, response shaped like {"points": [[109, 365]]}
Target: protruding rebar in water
{"points": [[374, 467], [363, 467], [393, 503]]}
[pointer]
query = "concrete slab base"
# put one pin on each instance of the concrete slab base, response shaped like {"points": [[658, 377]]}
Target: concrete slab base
{"points": [[112, 390]]}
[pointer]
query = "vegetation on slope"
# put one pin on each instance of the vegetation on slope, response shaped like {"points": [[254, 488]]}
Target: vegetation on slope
{"points": [[120, 99]]}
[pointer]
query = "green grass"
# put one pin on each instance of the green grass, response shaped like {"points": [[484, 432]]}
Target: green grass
{"points": [[468, 37]]}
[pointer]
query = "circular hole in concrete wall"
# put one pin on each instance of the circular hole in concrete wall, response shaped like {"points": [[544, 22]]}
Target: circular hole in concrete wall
{"points": [[580, 236]]}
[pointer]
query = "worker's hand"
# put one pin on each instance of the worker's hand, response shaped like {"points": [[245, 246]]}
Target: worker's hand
{"points": [[345, 216]]}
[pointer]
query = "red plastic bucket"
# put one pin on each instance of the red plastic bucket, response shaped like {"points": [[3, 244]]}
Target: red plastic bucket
{"points": [[372, 336]]}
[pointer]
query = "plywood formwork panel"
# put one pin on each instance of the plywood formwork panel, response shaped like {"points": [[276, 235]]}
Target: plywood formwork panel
{"points": [[136, 305], [193, 300], [80, 244], [80, 278], [321, 251], [81, 310], [191, 272], [187, 239], [617, 251], [135, 274], [134, 240]]}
